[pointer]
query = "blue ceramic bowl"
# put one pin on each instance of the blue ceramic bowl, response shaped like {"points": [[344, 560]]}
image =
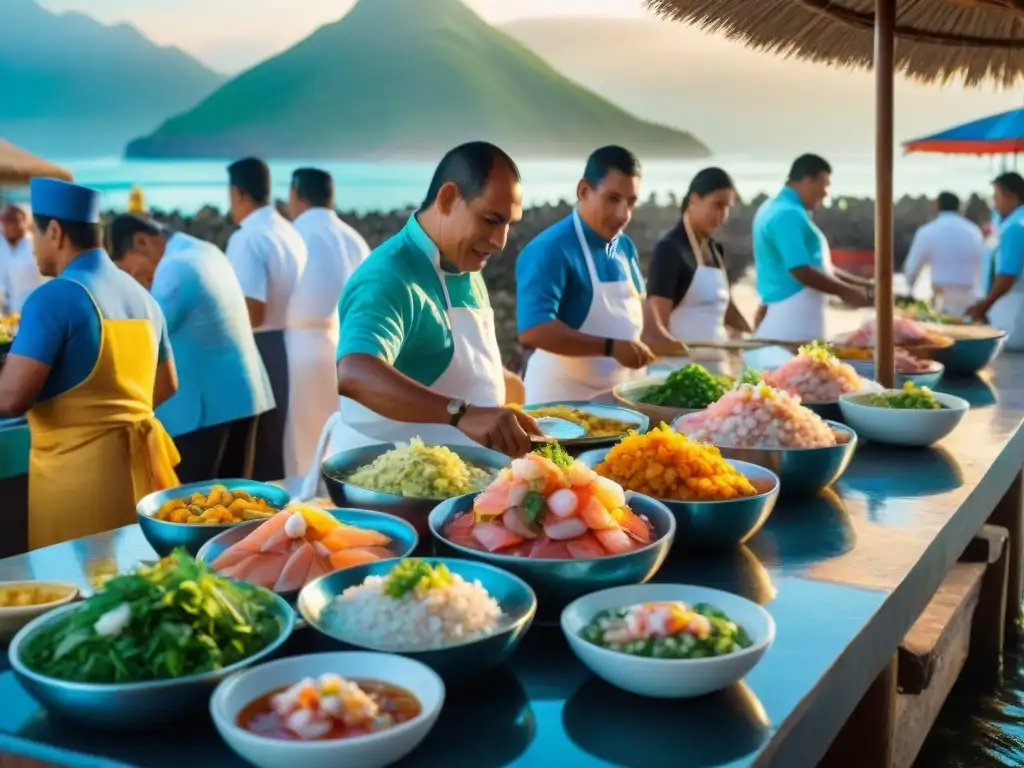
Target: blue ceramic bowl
{"points": [[164, 537], [559, 582], [404, 538], [454, 663], [131, 705], [636, 421], [718, 524], [866, 368], [415, 511], [803, 471], [968, 356]]}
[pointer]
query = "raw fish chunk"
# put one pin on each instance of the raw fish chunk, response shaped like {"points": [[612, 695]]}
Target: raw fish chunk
{"points": [[615, 540], [346, 558], [382, 553], [264, 531], [514, 520], [569, 528], [494, 536], [266, 570], [238, 569], [346, 536], [586, 547], [229, 557], [296, 570], [637, 526], [546, 548], [596, 516]]}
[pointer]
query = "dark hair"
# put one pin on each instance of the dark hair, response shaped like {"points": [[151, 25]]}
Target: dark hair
{"points": [[808, 167], [707, 181], [82, 235], [314, 186], [122, 231], [251, 176], [1013, 183], [947, 201], [468, 167], [607, 159]]}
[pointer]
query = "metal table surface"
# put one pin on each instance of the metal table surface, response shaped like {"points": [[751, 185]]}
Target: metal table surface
{"points": [[844, 575]]}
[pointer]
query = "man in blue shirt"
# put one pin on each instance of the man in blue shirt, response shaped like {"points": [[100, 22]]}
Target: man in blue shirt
{"points": [[1003, 307], [579, 290], [223, 384], [792, 258]]}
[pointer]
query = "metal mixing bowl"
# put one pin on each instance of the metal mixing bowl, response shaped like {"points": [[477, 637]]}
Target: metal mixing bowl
{"points": [[802, 470], [457, 662], [718, 524], [164, 537], [414, 511], [131, 705], [404, 538], [559, 582]]}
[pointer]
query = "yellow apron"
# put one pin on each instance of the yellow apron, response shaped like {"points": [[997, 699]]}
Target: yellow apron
{"points": [[97, 449]]}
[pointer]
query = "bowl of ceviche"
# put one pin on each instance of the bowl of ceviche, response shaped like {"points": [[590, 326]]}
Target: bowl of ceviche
{"points": [[359, 710], [668, 641], [911, 416]]}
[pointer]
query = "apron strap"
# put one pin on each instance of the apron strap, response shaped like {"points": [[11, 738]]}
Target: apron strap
{"points": [[577, 224], [699, 250]]}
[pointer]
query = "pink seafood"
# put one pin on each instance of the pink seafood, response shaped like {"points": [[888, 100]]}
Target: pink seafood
{"points": [[904, 331], [540, 509], [816, 375], [757, 416]]}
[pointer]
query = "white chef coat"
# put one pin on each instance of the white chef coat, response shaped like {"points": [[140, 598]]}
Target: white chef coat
{"points": [[19, 274], [952, 246], [334, 251], [269, 257]]}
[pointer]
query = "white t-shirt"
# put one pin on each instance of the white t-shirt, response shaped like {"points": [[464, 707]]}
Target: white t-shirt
{"points": [[335, 250], [19, 274], [952, 245], [269, 257]]}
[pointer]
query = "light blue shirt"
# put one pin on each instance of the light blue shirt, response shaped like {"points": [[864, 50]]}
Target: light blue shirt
{"points": [[552, 279], [785, 238], [60, 325], [221, 377], [1009, 257]]}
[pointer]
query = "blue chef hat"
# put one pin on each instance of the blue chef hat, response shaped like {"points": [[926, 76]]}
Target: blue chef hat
{"points": [[67, 202]]}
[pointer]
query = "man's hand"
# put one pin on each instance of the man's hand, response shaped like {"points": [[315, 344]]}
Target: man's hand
{"points": [[632, 354], [977, 312], [857, 296], [503, 429]]}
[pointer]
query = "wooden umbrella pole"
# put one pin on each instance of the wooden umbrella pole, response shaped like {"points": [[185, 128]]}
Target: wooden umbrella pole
{"points": [[885, 67]]}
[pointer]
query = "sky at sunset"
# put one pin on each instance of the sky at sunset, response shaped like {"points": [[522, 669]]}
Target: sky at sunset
{"points": [[230, 35]]}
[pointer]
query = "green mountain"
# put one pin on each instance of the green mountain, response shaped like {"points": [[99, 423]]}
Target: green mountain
{"points": [[72, 85], [406, 79]]}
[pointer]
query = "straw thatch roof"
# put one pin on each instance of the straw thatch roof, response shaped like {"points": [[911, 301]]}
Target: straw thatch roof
{"points": [[979, 40], [18, 166]]}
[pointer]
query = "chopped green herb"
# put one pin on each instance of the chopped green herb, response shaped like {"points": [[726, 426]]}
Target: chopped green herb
{"points": [[556, 454], [412, 574], [533, 505]]}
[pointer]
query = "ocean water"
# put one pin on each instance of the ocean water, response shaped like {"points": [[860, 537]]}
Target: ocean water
{"points": [[187, 185]]}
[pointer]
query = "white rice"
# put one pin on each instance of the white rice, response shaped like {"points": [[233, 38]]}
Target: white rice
{"points": [[456, 613]]}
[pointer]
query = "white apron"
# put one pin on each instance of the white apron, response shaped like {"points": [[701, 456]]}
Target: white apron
{"points": [[700, 316], [802, 316], [1007, 314], [953, 300], [312, 390], [475, 374], [616, 312]]}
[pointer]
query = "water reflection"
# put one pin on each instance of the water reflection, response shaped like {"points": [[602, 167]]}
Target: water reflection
{"points": [[647, 733], [922, 472], [974, 389], [806, 531], [495, 717], [739, 572]]}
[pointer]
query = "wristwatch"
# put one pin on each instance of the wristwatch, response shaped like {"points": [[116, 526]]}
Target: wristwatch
{"points": [[456, 410], [609, 347]]}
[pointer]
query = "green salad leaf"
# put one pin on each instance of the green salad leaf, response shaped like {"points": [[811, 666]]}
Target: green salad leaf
{"points": [[533, 505], [172, 619]]}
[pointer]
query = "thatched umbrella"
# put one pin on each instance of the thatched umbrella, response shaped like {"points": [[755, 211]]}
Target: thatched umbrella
{"points": [[929, 40], [17, 166]]}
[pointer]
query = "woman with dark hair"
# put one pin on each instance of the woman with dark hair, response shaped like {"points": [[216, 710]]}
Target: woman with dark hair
{"points": [[688, 290], [1003, 307]]}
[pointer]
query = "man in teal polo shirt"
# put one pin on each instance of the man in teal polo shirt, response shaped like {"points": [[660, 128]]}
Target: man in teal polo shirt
{"points": [[792, 260], [418, 355]]}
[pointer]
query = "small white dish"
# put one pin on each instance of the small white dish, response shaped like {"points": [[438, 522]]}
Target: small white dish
{"points": [[668, 678], [13, 618], [902, 426], [372, 751]]}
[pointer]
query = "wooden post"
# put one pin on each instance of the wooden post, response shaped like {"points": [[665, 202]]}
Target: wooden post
{"points": [[867, 738], [885, 65], [1009, 513]]}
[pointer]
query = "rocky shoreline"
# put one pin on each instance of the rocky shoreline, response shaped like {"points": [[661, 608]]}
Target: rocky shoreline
{"points": [[848, 224]]}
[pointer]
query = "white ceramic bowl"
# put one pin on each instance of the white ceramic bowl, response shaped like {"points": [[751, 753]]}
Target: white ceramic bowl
{"points": [[14, 618], [372, 751], [902, 426], [668, 678]]}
